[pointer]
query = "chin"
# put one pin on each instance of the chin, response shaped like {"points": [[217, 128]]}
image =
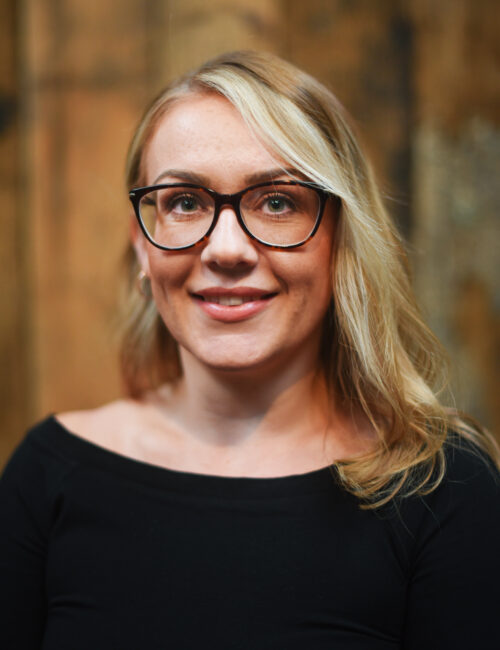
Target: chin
{"points": [[233, 363], [232, 358]]}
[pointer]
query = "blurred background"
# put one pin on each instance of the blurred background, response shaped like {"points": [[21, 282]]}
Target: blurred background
{"points": [[420, 77]]}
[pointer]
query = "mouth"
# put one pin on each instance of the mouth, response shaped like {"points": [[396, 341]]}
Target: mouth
{"points": [[232, 305], [233, 301]]}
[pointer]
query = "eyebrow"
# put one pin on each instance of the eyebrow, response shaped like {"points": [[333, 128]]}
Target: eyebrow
{"points": [[251, 179], [270, 175]]}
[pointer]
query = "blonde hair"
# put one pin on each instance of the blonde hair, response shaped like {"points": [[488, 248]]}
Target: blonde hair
{"points": [[377, 353]]}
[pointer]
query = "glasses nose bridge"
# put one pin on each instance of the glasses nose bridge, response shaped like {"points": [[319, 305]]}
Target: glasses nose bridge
{"points": [[225, 200]]}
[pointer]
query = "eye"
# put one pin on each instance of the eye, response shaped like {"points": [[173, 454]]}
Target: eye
{"points": [[185, 203], [278, 203]]}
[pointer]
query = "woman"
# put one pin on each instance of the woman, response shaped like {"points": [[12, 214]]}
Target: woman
{"points": [[282, 474]]}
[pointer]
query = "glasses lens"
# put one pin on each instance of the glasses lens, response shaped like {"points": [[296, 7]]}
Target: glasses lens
{"points": [[176, 216], [281, 215]]}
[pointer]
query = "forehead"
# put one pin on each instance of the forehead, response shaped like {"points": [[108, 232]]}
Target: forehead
{"points": [[205, 133]]}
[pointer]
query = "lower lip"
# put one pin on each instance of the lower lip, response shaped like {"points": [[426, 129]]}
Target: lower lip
{"points": [[233, 314]]}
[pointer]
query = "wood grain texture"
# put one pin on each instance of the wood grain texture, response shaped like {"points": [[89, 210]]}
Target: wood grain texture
{"points": [[456, 164], [420, 78], [16, 385], [363, 52]]}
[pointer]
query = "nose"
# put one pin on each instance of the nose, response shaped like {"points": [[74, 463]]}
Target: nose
{"points": [[228, 245]]}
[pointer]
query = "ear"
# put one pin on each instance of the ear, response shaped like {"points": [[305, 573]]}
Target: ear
{"points": [[140, 244]]}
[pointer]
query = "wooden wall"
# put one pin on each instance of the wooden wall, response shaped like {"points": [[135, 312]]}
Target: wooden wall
{"points": [[420, 77]]}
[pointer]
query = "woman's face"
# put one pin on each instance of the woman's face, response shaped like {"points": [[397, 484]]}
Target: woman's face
{"points": [[287, 292]]}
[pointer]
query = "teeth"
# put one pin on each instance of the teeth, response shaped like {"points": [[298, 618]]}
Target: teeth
{"points": [[232, 301]]}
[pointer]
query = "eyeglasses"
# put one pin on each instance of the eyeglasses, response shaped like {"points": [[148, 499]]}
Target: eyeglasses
{"points": [[281, 214]]}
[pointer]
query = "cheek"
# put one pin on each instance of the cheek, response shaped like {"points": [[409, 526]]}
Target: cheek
{"points": [[312, 271], [168, 273], [320, 290], [308, 284], [323, 269]]}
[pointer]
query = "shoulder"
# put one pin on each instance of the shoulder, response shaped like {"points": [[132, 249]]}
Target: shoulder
{"points": [[465, 505], [99, 424], [471, 486], [37, 449], [138, 429], [471, 482], [56, 446], [33, 475], [460, 509], [51, 443], [452, 543], [114, 426], [468, 469]]}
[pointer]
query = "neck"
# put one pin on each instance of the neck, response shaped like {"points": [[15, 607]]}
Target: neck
{"points": [[241, 408]]}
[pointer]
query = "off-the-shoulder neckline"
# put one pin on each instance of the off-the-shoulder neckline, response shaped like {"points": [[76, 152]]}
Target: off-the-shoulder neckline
{"points": [[77, 449]]}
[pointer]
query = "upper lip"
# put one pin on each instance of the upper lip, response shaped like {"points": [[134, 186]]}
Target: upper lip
{"points": [[239, 292]]}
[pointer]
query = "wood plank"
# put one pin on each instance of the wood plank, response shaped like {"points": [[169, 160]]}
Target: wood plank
{"points": [[196, 31], [88, 78], [16, 386], [457, 197], [86, 72], [363, 51]]}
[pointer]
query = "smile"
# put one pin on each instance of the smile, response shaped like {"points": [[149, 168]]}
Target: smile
{"points": [[232, 305], [232, 301]]}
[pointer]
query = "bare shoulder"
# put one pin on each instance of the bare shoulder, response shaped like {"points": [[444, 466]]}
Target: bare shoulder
{"points": [[129, 427], [110, 425]]}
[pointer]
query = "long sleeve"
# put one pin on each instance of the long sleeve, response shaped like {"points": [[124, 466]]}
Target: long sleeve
{"points": [[454, 594], [25, 514]]}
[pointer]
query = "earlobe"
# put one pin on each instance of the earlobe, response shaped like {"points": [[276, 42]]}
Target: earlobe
{"points": [[139, 243]]}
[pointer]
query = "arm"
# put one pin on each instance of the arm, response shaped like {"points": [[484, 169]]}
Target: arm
{"points": [[23, 547], [454, 591]]}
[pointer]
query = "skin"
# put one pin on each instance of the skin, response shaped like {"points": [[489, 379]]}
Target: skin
{"points": [[207, 136], [251, 400]]}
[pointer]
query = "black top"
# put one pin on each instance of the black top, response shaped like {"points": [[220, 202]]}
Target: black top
{"points": [[99, 551]]}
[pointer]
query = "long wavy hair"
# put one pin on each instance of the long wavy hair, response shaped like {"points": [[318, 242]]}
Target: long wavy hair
{"points": [[377, 353]]}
